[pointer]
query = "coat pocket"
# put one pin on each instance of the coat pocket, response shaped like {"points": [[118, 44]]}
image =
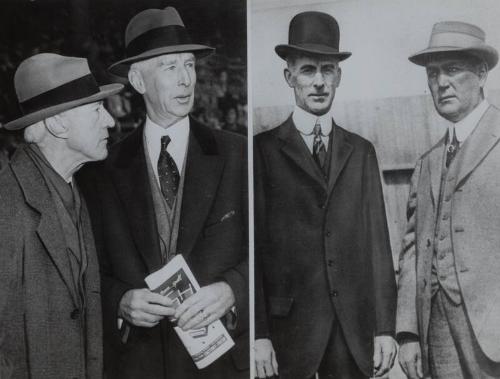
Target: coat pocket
{"points": [[280, 306]]}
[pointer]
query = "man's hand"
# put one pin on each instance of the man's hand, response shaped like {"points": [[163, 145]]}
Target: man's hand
{"points": [[210, 303], [384, 354], [144, 308], [410, 359], [266, 365]]}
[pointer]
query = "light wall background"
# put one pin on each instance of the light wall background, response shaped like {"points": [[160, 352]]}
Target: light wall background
{"points": [[382, 96]]}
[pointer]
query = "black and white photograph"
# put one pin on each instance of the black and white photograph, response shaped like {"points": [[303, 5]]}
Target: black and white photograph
{"points": [[123, 134], [376, 163]]}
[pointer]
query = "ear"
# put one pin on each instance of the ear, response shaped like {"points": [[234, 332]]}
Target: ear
{"points": [[136, 80], [339, 76], [289, 78], [57, 126], [482, 73]]}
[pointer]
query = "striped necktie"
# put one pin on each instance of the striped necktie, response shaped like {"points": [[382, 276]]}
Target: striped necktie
{"points": [[168, 173], [451, 149], [319, 150]]}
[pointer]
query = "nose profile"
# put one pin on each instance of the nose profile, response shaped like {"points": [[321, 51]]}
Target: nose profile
{"points": [[442, 80], [319, 81], [107, 120]]}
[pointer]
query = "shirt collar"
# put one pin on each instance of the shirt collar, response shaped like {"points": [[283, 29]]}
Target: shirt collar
{"points": [[177, 148], [305, 121], [464, 127]]}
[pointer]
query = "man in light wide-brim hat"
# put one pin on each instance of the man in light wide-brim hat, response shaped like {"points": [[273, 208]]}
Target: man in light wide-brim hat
{"points": [[325, 290], [449, 292], [173, 186], [50, 303]]}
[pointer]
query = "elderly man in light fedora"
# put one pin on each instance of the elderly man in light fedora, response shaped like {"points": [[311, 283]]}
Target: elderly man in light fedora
{"points": [[325, 288], [50, 303], [173, 186], [449, 289]]}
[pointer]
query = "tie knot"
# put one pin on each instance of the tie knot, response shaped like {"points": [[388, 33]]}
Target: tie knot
{"points": [[317, 129], [165, 140]]}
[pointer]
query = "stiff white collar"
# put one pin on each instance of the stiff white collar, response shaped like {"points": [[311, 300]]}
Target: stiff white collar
{"points": [[305, 121], [464, 127]]}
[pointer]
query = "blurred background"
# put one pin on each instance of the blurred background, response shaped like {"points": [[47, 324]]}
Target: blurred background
{"points": [[95, 29]]}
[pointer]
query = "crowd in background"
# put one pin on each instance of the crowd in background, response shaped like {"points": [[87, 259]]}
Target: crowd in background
{"points": [[95, 30]]}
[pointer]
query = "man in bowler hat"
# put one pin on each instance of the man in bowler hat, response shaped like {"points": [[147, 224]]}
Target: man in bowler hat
{"points": [[50, 303], [173, 186], [325, 288], [449, 293]]}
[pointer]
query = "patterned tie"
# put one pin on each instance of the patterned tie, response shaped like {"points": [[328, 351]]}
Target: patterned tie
{"points": [[168, 173], [319, 150], [452, 149]]}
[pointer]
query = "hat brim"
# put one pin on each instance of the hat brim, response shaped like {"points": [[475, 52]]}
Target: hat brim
{"points": [[487, 53], [42, 114], [284, 50], [121, 68]]}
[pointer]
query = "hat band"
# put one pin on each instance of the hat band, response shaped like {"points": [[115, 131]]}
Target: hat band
{"points": [[454, 39], [76, 89], [170, 35]]}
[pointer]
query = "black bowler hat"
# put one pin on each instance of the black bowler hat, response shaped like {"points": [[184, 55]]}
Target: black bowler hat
{"points": [[48, 84], [156, 32], [313, 32]]}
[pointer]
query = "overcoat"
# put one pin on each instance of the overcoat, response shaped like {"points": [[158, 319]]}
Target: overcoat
{"points": [[322, 249], [44, 333], [475, 222], [212, 238]]}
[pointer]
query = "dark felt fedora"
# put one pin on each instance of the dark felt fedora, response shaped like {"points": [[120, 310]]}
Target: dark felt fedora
{"points": [[47, 84], [155, 32], [456, 36], [313, 33]]}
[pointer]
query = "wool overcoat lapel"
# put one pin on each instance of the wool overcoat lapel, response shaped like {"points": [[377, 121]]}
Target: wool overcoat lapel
{"points": [[130, 177], [204, 167], [49, 229]]}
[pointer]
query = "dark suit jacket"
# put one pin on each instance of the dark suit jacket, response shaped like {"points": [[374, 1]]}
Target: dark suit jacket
{"points": [[119, 196], [322, 249], [41, 329]]}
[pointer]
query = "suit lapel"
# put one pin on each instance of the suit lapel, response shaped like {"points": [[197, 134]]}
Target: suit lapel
{"points": [[204, 167], [49, 229], [484, 137], [130, 177], [341, 150], [295, 148], [435, 167]]}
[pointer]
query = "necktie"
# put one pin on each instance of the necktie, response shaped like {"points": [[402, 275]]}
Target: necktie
{"points": [[319, 150], [167, 173], [451, 149]]}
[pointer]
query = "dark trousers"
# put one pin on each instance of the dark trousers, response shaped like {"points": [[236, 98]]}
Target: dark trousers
{"points": [[337, 362]]}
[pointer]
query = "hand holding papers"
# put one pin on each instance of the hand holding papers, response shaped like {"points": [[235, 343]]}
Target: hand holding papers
{"points": [[176, 282]]}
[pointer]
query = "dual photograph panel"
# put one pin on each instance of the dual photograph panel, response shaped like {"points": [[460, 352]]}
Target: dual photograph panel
{"points": [[249, 189]]}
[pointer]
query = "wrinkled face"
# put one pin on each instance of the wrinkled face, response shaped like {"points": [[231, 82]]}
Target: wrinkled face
{"points": [[88, 130], [314, 80], [169, 82], [456, 85]]}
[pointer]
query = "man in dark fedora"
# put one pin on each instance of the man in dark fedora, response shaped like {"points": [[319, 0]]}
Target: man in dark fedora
{"points": [[50, 303], [449, 293], [173, 186], [325, 289]]}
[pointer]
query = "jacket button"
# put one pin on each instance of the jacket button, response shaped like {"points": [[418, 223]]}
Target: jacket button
{"points": [[334, 293], [428, 242], [330, 262], [75, 314], [328, 234]]}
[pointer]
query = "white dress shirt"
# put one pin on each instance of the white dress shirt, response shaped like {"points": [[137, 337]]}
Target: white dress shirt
{"points": [[305, 122], [464, 127], [177, 148]]}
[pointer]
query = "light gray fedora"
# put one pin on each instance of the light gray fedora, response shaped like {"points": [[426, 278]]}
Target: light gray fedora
{"points": [[47, 84], [155, 32], [457, 36]]}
